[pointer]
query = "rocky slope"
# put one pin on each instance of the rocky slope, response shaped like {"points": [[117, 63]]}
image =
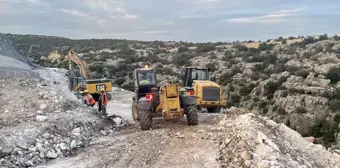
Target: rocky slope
{"points": [[40, 119]]}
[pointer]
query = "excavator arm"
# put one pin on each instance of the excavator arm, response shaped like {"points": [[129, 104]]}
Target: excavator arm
{"points": [[84, 68]]}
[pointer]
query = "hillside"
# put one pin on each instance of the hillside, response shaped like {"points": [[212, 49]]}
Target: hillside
{"points": [[292, 80]]}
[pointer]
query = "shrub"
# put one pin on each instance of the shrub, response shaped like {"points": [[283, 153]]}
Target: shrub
{"points": [[211, 66], [333, 74], [241, 47], [234, 100], [291, 68], [336, 38], [326, 130], [212, 56], [203, 48], [302, 73], [119, 81], [307, 54], [182, 49], [227, 56], [246, 90], [265, 47], [181, 59], [323, 37], [271, 87], [334, 104]]}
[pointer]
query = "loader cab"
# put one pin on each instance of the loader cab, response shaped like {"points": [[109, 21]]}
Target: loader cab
{"points": [[189, 74], [145, 82]]}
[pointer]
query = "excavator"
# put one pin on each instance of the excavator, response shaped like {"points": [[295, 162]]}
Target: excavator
{"points": [[80, 83]]}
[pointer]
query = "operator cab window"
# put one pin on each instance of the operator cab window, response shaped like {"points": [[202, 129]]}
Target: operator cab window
{"points": [[199, 75], [146, 78]]}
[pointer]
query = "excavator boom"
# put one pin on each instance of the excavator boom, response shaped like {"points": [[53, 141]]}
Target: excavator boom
{"points": [[84, 68]]}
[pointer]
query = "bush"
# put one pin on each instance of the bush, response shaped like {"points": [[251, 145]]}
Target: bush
{"points": [[240, 47], [302, 73], [228, 56], [334, 104], [182, 49], [291, 68], [326, 130], [212, 56], [336, 38], [181, 59], [323, 37], [246, 90], [307, 54], [234, 100], [119, 81], [271, 87], [211, 66], [284, 41], [203, 48], [333, 74], [265, 47]]}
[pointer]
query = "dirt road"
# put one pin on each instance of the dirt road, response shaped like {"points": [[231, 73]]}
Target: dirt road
{"points": [[170, 144]]}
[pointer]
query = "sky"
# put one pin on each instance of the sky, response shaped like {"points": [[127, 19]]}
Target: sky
{"points": [[171, 20]]}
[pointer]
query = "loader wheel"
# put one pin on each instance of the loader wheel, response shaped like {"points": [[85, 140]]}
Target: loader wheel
{"points": [[145, 118], [192, 115]]}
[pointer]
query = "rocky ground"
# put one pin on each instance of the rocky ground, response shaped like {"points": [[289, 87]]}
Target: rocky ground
{"points": [[234, 140], [41, 120]]}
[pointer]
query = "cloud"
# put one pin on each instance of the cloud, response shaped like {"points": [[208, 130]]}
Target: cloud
{"points": [[37, 2], [191, 17], [114, 8], [275, 17], [74, 12], [204, 1], [129, 16]]}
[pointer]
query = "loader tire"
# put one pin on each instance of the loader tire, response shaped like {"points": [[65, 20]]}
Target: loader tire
{"points": [[145, 118], [192, 115]]}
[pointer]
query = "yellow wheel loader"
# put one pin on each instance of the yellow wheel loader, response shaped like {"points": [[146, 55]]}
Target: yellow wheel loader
{"points": [[167, 101], [208, 93], [80, 83]]}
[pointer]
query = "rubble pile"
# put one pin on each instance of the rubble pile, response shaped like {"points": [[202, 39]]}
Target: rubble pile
{"points": [[41, 119], [256, 141]]}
